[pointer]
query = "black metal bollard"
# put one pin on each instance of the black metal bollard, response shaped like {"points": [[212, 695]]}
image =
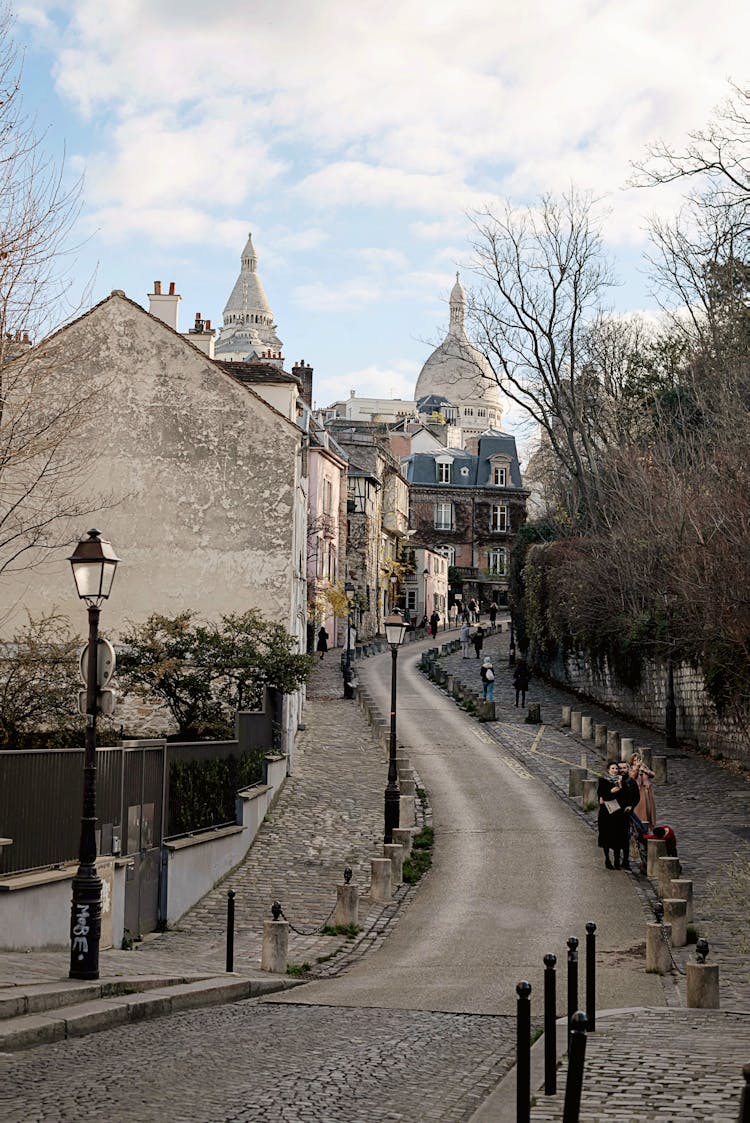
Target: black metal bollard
{"points": [[550, 1027], [572, 981], [230, 930], [576, 1058], [591, 975], [523, 1053], [745, 1101]]}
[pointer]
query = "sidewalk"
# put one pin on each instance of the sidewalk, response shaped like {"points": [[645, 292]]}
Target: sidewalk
{"points": [[328, 815]]}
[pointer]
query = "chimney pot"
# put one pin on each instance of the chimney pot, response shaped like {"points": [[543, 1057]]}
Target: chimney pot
{"points": [[157, 288], [171, 288], [208, 325]]}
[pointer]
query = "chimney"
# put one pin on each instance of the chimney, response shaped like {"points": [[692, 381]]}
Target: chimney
{"points": [[202, 335], [165, 306], [305, 375], [471, 444]]}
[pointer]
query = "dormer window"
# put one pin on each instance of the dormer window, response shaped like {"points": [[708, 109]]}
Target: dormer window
{"points": [[500, 476], [443, 469]]}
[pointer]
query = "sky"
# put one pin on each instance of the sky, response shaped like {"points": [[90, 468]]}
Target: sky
{"points": [[354, 139]]}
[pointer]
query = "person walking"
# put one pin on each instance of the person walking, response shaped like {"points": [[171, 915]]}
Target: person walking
{"points": [[472, 610], [478, 641], [322, 641], [453, 614], [434, 623], [465, 636], [521, 679], [493, 614], [487, 675]]}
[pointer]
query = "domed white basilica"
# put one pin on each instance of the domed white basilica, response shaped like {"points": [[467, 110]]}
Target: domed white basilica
{"points": [[248, 332], [457, 379]]}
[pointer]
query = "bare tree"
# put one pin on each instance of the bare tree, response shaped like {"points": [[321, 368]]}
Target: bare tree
{"points": [[41, 403], [544, 278]]}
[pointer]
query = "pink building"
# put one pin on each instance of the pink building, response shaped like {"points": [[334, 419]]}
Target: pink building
{"points": [[326, 535]]}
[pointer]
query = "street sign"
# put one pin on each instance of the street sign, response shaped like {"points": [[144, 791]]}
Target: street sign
{"points": [[105, 663], [105, 701]]}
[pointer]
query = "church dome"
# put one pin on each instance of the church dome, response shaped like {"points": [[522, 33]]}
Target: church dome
{"points": [[248, 331], [456, 370]]}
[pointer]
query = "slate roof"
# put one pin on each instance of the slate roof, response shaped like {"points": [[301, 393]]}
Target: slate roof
{"points": [[419, 468], [256, 372]]}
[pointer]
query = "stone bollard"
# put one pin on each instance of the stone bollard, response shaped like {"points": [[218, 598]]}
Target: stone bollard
{"points": [[703, 986], [275, 946], [587, 727], [658, 960], [613, 745], [627, 748], [666, 870], [646, 756], [682, 888], [406, 809], [449, 683], [600, 736], [655, 848], [575, 721], [405, 774], [533, 714], [487, 711], [395, 852], [404, 836], [576, 776], [589, 798], [347, 906], [583, 760], [381, 879], [660, 769], [674, 914], [566, 715]]}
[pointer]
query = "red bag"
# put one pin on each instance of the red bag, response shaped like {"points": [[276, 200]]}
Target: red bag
{"points": [[666, 834]]}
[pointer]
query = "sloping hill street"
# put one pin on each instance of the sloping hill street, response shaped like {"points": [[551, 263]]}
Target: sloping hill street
{"points": [[415, 1019]]}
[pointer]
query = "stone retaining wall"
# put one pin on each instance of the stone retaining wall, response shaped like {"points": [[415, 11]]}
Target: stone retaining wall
{"points": [[697, 720]]}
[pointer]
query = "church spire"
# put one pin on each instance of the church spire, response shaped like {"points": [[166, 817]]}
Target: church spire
{"points": [[458, 304]]}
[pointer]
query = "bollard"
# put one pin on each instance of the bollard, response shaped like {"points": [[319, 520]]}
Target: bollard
{"points": [[576, 776], [682, 888], [589, 798], [406, 803], [404, 836], [534, 714], [587, 727], [395, 854], [584, 760], [666, 870], [702, 981], [575, 721], [745, 1101], [230, 930], [591, 975], [627, 748], [550, 1026], [655, 848], [660, 769], [523, 1053], [347, 903], [658, 959], [613, 745], [380, 879], [565, 715], [674, 914], [449, 683], [275, 946], [572, 981], [576, 1059], [600, 737]]}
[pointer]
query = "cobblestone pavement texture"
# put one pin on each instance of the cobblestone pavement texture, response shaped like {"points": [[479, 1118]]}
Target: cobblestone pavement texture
{"points": [[635, 1069], [248, 1063]]}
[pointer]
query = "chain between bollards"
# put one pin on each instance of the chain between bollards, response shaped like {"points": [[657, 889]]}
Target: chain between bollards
{"points": [[591, 975], [550, 1026], [576, 1058], [572, 981], [523, 1052], [230, 930]]}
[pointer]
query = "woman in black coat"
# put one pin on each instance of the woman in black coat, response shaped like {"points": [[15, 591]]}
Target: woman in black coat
{"points": [[611, 823], [322, 641]]}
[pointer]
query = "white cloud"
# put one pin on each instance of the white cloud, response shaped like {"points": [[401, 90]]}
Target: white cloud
{"points": [[396, 379]]}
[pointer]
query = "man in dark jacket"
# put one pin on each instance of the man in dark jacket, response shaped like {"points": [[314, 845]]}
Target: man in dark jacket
{"points": [[628, 797], [434, 621], [478, 641]]}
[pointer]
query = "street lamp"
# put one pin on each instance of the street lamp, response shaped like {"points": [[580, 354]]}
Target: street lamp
{"points": [[395, 630], [94, 563], [348, 688]]}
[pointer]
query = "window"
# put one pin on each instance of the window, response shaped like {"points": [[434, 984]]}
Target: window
{"points": [[411, 600], [449, 553], [468, 411], [443, 472], [499, 476], [496, 561], [320, 558], [444, 516], [481, 412], [327, 496], [499, 521], [464, 471]]}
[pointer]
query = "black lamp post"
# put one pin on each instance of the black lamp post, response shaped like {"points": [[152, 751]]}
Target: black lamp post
{"points": [[395, 630], [94, 563], [348, 688], [512, 646]]}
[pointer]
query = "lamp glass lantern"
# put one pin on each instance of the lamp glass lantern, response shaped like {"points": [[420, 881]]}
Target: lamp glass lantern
{"points": [[395, 628], [94, 563], [349, 590]]}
